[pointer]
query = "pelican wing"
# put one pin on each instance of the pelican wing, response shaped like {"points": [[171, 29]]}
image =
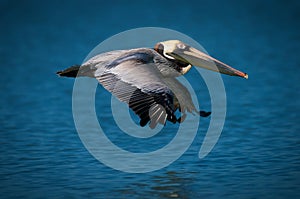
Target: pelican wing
{"points": [[133, 78]]}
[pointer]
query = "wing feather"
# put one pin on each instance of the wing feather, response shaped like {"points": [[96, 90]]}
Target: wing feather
{"points": [[134, 79]]}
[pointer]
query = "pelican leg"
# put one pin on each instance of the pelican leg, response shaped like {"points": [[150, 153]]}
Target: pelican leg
{"points": [[204, 113]]}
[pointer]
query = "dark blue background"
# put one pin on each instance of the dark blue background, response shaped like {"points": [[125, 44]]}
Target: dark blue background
{"points": [[258, 154]]}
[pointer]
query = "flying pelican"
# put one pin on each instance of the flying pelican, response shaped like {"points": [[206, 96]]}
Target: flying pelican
{"points": [[145, 78]]}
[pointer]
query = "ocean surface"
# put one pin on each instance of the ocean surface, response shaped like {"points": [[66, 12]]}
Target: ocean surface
{"points": [[257, 154]]}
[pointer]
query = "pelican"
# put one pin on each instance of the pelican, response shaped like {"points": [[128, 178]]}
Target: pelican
{"points": [[145, 78]]}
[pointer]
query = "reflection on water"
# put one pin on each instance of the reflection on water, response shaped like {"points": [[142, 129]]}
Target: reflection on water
{"points": [[257, 155], [169, 184]]}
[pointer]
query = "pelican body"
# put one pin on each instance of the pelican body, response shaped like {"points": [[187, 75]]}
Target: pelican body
{"points": [[145, 78]]}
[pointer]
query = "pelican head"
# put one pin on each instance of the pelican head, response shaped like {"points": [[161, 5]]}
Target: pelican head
{"points": [[179, 51]]}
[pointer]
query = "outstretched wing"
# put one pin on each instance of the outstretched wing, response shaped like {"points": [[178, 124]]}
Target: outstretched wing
{"points": [[133, 78]]}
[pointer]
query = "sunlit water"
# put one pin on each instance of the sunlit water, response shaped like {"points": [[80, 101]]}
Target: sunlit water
{"points": [[257, 155]]}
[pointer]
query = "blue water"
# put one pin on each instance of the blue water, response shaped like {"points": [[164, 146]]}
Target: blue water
{"points": [[258, 153]]}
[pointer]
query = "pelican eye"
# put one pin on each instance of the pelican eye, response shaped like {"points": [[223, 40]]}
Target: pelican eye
{"points": [[159, 48], [181, 46]]}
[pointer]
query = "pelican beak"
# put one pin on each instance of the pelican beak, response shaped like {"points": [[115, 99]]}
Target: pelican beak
{"points": [[200, 59]]}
